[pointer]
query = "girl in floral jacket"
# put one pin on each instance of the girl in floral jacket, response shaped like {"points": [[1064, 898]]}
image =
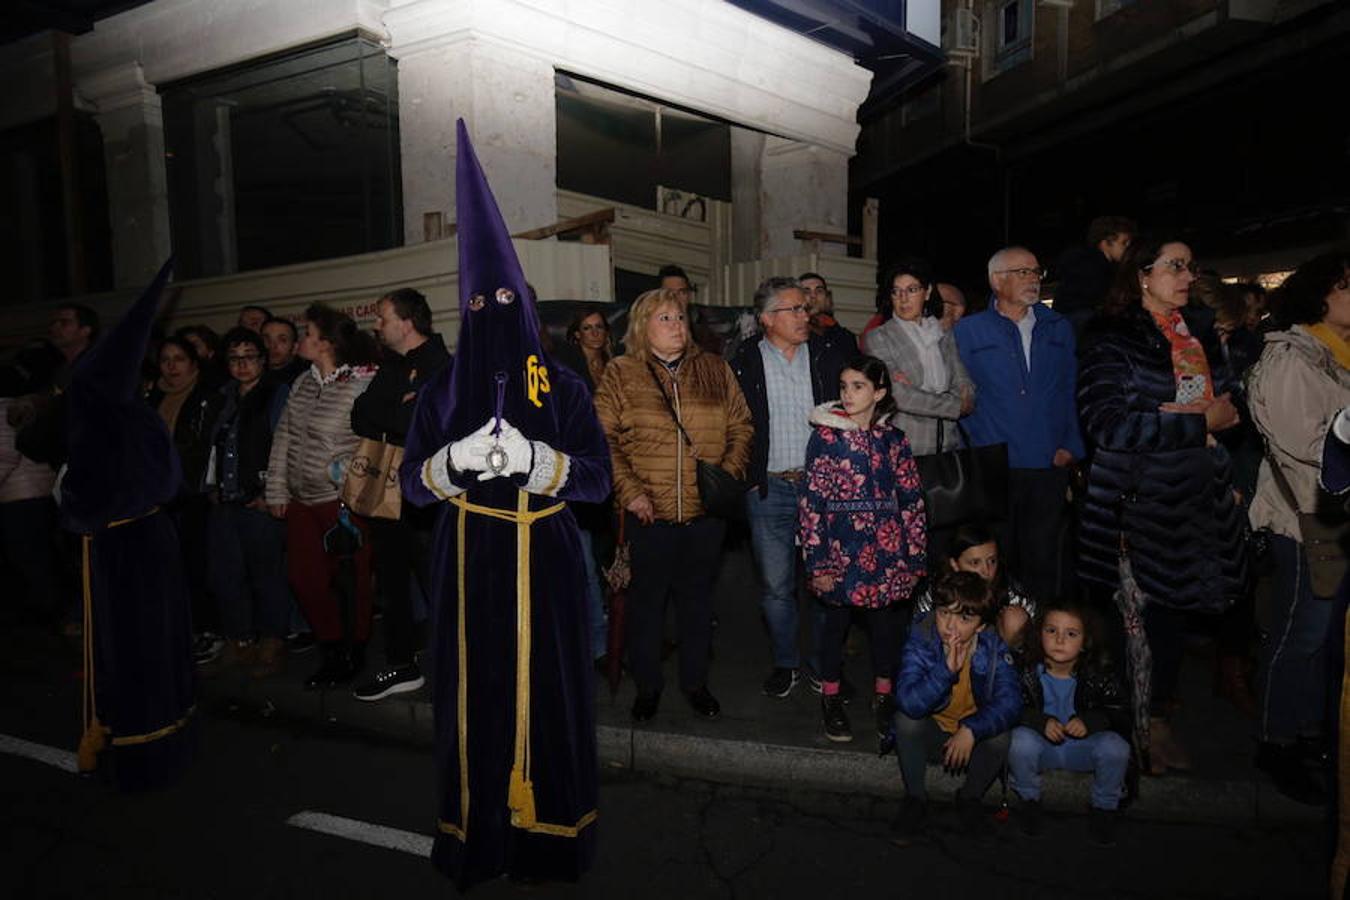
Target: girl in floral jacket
{"points": [[862, 530]]}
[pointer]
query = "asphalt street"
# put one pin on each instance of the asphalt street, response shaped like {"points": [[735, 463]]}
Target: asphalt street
{"points": [[223, 831]]}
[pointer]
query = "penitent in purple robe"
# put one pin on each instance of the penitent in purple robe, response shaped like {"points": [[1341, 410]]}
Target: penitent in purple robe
{"points": [[138, 636], [514, 687]]}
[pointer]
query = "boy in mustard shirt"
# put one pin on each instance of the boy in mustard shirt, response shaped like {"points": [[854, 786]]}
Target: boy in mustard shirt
{"points": [[958, 698]]}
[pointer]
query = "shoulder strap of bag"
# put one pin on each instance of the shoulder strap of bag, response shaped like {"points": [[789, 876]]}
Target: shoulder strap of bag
{"points": [[1281, 481], [670, 407]]}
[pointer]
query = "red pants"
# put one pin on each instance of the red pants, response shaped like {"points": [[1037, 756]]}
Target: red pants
{"points": [[312, 572]]}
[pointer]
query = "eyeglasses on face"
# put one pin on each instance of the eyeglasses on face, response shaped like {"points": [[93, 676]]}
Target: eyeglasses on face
{"points": [[670, 317], [243, 359], [796, 310], [1036, 272], [1175, 266], [912, 290]]}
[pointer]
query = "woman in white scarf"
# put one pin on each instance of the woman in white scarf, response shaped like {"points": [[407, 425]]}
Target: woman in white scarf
{"points": [[931, 387]]}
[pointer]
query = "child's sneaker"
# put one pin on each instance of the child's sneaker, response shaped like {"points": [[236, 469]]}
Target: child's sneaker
{"points": [[1102, 827], [1029, 819], [910, 821], [836, 720], [973, 819]]}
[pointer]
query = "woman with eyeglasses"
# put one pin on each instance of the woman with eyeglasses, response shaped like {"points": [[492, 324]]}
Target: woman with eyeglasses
{"points": [[1298, 386], [246, 566], [1161, 530], [929, 382]]}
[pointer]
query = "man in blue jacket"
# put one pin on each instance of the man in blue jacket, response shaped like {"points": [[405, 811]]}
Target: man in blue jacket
{"points": [[1022, 358]]}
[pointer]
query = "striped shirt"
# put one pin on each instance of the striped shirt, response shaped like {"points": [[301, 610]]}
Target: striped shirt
{"points": [[787, 387]]}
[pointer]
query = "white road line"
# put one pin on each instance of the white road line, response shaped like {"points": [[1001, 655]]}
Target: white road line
{"points": [[52, 756], [365, 832]]}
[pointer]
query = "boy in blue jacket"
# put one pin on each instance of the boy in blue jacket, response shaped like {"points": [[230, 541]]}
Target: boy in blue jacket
{"points": [[958, 699]]}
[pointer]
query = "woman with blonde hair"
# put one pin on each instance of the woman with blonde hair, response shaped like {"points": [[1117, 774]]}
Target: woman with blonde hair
{"points": [[665, 405]]}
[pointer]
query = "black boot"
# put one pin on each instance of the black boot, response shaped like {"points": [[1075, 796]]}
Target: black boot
{"points": [[332, 660]]}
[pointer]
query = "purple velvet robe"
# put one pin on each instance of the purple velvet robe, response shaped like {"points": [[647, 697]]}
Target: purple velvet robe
{"points": [[515, 721], [122, 467], [562, 749]]}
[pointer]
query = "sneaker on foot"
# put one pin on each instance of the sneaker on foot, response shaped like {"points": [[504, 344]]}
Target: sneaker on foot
{"points": [[808, 675], [1102, 827], [837, 727], [396, 680], [846, 689], [780, 682], [910, 821]]}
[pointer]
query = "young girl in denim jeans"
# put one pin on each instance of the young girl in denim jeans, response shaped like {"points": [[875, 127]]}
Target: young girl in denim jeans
{"points": [[1074, 716]]}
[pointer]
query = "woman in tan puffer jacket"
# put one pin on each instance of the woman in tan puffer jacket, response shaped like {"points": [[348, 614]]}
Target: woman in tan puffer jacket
{"points": [[674, 545]]}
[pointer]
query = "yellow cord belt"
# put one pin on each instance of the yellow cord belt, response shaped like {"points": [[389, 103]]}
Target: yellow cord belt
{"points": [[95, 735], [520, 792]]}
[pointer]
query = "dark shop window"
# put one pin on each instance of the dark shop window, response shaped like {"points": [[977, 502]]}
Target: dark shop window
{"points": [[286, 159]]}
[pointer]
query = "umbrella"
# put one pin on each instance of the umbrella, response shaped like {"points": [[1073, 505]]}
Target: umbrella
{"points": [[1130, 600], [617, 577], [343, 541]]}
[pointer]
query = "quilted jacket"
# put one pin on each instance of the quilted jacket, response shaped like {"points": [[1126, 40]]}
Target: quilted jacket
{"points": [[1153, 478], [649, 454], [315, 432]]}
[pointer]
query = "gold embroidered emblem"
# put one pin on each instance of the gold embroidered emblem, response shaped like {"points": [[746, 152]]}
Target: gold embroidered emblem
{"points": [[536, 379]]}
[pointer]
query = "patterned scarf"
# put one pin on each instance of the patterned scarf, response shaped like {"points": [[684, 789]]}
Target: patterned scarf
{"points": [[1188, 357]]}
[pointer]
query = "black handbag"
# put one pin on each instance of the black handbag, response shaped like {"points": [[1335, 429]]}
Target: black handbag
{"points": [[721, 493], [965, 485]]}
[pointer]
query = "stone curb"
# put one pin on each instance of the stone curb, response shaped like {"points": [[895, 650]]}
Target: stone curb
{"points": [[644, 750]]}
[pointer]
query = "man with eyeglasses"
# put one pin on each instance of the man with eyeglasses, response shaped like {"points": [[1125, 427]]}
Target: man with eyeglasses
{"points": [[820, 305], [1022, 357], [246, 567], [414, 355], [784, 373]]}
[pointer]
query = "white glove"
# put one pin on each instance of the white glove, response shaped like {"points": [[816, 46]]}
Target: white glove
{"points": [[519, 453], [469, 454]]}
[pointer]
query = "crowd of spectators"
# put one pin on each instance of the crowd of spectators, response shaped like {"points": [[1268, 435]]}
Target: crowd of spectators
{"points": [[1163, 433]]}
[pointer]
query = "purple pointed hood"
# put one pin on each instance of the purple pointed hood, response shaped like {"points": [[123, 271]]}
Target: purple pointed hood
{"points": [[500, 360], [121, 458]]}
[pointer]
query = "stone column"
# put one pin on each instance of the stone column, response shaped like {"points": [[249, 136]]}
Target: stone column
{"points": [[747, 164], [133, 155], [506, 99], [801, 187]]}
